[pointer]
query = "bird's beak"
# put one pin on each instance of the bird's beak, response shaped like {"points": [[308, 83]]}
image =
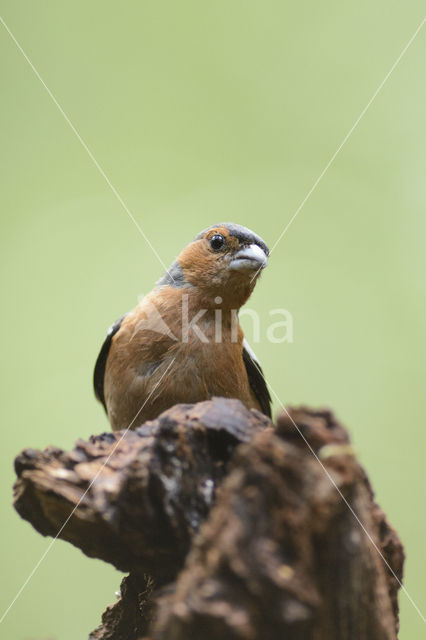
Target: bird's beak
{"points": [[249, 259]]}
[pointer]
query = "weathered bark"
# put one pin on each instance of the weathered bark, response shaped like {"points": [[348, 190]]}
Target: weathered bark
{"points": [[248, 532], [136, 500]]}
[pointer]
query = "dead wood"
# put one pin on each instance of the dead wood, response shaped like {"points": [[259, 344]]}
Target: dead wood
{"points": [[230, 528]]}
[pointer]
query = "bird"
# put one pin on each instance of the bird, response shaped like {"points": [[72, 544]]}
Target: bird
{"points": [[183, 342]]}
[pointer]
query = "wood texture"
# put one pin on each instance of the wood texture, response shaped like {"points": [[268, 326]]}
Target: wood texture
{"points": [[230, 527]]}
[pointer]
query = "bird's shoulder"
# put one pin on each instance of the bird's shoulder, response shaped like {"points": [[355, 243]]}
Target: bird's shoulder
{"points": [[256, 379], [100, 366]]}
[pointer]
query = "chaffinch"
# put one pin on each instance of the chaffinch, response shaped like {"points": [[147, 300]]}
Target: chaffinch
{"points": [[183, 342]]}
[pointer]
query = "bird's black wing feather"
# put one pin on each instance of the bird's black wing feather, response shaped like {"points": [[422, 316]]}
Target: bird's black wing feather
{"points": [[100, 366], [256, 380]]}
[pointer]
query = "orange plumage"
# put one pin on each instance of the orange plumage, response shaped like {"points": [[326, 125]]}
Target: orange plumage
{"points": [[183, 343]]}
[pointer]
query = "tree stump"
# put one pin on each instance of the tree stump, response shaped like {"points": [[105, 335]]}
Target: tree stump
{"points": [[230, 527]]}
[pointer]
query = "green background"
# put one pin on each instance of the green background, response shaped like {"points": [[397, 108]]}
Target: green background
{"points": [[201, 112]]}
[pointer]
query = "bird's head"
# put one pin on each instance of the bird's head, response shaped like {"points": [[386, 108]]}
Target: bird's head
{"points": [[223, 261]]}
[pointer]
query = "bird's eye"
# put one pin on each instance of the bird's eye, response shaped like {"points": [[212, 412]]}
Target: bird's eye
{"points": [[216, 242]]}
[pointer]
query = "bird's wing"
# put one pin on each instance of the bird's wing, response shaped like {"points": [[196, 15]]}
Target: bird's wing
{"points": [[256, 379], [100, 366]]}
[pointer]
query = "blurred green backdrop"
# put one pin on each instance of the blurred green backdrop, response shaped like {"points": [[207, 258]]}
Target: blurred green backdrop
{"points": [[201, 112]]}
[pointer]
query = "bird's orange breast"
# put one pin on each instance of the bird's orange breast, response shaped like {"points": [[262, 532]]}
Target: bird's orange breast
{"points": [[152, 365]]}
